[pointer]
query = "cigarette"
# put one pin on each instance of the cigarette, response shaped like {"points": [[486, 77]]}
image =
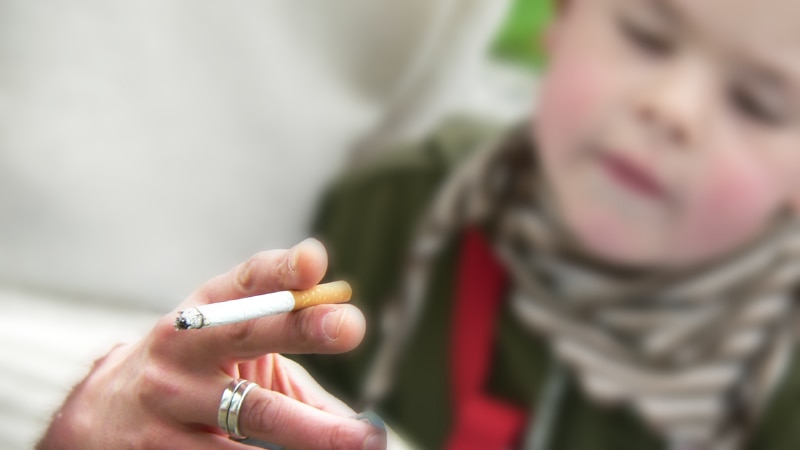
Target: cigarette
{"points": [[233, 311]]}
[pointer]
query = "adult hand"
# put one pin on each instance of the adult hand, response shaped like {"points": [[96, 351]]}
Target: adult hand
{"points": [[165, 390]]}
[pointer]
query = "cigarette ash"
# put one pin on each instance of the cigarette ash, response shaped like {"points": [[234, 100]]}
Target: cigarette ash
{"points": [[191, 318]]}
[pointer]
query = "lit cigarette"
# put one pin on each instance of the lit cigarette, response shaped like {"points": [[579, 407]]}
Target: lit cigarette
{"points": [[248, 308]]}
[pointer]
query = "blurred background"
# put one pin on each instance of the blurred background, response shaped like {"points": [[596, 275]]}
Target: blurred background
{"points": [[148, 146]]}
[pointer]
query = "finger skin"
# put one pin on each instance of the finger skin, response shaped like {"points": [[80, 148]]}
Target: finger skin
{"points": [[327, 329], [302, 331], [196, 399], [205, 441], [273, 417], [297, 332], [300, 267], [278, 373]]}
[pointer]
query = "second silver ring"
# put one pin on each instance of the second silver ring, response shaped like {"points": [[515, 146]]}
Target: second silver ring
{"points": [[230, 406], [236, 405]]}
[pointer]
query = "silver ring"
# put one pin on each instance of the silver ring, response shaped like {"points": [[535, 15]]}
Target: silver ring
{"points": [[230, 404], [236, 405], [225, 404]]}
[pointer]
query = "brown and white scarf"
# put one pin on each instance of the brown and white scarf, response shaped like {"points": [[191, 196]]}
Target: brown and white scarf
{"points": [[695, 353]]}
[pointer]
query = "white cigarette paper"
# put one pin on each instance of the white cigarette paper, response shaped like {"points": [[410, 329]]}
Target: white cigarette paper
{"points": [[233, 311]]}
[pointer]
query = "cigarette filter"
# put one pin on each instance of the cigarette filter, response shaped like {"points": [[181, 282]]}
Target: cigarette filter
{"points": [[249, 308]]}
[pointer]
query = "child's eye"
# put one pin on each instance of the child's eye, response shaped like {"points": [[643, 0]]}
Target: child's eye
{"points": [[755, 107], [645, 38]]}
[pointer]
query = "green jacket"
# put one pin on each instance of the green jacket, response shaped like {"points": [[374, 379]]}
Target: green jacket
{"points": [[366, 220]]}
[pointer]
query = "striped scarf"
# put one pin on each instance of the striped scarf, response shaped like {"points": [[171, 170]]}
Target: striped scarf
{"points": [[694, 353]]}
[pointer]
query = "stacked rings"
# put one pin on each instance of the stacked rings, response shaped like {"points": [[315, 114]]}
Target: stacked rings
{"points": [[230, 404]]}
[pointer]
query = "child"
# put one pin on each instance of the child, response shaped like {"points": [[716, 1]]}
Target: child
{"points": [[616, 274]]}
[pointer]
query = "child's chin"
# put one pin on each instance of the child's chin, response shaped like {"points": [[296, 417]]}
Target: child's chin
{"points": [[618, 245]]}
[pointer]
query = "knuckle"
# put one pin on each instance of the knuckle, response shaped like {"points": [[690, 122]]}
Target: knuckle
{"points": [[164, 328], [306, 329], [155, 385], [259, 414], [238, 335], [162, 337], [342, 437], [337, 438], [244, 277], [101, 361]]}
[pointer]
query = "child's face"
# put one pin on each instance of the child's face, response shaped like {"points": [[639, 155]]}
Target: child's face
{"points": [[669, 130]]}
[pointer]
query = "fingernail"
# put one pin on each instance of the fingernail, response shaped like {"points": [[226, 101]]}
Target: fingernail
{"points": [[375, 441], [332, 323]]}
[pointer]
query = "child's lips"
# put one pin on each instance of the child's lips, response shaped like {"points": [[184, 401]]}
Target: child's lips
{"points": [[634, 176]]}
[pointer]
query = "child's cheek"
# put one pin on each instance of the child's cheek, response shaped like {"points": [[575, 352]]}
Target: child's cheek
{"points": [[732, 204], [572, 98]]}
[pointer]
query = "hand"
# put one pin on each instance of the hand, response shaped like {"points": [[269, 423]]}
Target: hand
{"points": [[164, 391]]}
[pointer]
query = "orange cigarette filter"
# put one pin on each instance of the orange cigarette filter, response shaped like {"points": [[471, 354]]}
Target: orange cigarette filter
{"points": [[326, 293]]}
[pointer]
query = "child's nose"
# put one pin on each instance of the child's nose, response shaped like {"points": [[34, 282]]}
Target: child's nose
{"points": [[675, 103]]}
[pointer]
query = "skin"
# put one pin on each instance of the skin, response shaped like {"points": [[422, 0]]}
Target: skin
{"points": [[669, 130], [164, 391]]}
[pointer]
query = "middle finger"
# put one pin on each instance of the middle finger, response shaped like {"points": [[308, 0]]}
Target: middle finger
{"points": [[319, 329]]}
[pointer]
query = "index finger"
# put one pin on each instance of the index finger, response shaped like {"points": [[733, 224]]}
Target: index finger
{"points": [[300, 267], [297, 268]]}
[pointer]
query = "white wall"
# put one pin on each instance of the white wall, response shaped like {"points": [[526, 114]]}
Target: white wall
{"points": [[146, 146]]}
